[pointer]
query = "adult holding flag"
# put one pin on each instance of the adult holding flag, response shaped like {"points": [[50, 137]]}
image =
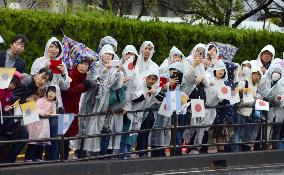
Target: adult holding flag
{"points": [[28, 87], [11, 57], [53, 59], [271, 89]]}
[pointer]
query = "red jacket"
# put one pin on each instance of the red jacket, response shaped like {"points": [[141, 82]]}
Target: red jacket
{"points": [[5, 96], [71, 98]]}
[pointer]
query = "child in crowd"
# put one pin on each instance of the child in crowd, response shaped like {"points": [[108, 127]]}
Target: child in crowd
{"points": [[46, 107]]}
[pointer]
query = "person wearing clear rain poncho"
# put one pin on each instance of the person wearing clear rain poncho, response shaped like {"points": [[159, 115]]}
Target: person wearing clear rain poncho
{"points": [[272, 90], [53, 51], [146, 94], [106, 77], [219, 73], [162, 138], [249, 86], [120, 97], [245, 72], [111, 41], [212, 54], [194, 71], [264, 58], [145, 58], [175, 55]]}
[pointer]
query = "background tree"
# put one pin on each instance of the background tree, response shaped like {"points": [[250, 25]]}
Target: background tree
{"points": [[218, 12]]}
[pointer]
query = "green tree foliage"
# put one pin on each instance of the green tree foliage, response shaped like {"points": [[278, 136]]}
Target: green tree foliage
{"points": [[39, 26]]}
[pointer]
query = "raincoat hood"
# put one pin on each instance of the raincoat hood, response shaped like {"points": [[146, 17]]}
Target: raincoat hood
{"points": [[106, 49], [177, 65], [269, 48], [207, 50], [174, 51], [46, 55], [129, 49], [245, 62], [191, 55], [146, 43], [274, 68], [153, 70], [108, 40], [219, 65]]}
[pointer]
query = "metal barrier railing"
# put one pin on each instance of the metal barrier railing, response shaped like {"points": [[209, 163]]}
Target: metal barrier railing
{"points": [[173, 147]]}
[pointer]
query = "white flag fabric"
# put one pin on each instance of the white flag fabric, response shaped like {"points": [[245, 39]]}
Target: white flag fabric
{"points": [[224, 92], [197, 108], [129, 67], [163, 110], [115, 63], [6, 75], [261, 105], [248, 98], [29, 112], [235, 97]]}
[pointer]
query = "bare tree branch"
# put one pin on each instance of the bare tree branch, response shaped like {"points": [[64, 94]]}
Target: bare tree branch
{"points": [[185, 11], [252, 12]]}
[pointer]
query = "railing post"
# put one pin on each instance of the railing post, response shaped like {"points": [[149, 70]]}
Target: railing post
{"points": [[62, 147], [264, 131], [173, 134]]}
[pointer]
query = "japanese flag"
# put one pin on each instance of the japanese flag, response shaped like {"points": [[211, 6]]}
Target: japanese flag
{"points": [[6, 75], [224, 92], [163, 110], [261, 105], [129, 67], [29, 112], [197, 108]]}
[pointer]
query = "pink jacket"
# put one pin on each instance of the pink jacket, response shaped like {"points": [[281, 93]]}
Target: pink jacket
{"points": [[40, 129]]}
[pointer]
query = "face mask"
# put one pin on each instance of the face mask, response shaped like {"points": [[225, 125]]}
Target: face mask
{"points": [[246, 71], [275, 76]]}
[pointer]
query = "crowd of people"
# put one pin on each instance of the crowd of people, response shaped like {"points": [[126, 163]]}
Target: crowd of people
{"points": [[92, 85]]}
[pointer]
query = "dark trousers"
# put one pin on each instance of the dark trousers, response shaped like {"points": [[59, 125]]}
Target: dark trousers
{"points": [[34, 152], [142, 138], [51, 151], [17, 133]]}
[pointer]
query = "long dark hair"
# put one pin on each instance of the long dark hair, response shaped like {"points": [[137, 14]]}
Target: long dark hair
{"points": [[50, 88]]}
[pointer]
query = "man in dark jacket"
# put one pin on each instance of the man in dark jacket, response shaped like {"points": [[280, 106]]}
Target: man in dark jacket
{"points": [[10, 58]]}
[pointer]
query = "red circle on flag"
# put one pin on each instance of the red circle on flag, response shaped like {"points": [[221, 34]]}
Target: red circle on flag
{"points": [[262, 103], [130, 66], [198, 108], [224, 90]]}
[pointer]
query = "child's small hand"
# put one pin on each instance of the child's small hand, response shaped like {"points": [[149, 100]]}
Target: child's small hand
{"points": [[47, 114], [164, 88], [119, 68], [198, 79], [173, 81], [47, 64], [151, 91], [126, 79], [61, 68], [108, 66]]}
